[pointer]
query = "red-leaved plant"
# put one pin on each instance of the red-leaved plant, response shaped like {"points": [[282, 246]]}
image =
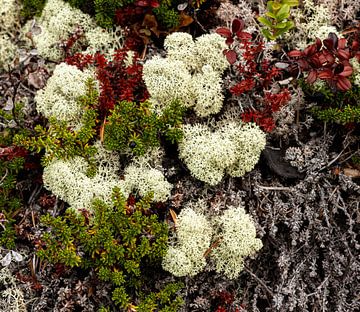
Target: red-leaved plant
{"points": [[119, 81], [327, 60], [255, 75]]}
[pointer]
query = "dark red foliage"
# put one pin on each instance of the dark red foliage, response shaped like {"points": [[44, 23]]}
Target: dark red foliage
{"points": [[118, 81], [11, 152], [327, 60], [256, 75]]}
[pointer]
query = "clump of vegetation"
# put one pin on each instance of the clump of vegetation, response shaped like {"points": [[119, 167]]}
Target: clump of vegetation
{"points": [[61, 142], [122, 242], [276, 18], [12, 163], [135, 127]]}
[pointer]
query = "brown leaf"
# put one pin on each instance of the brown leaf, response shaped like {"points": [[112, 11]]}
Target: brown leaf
{"points": [[102, 131], [173, 216], [352, 173], [185, 20]]}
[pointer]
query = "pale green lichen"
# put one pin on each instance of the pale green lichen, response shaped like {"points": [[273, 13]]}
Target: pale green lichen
{"points": [[313, 21], [356, 71], [168, 80], [144, 175], [236, 235], [227, 239], [186, 257], [8, 52], [9, 15], [60, 96], [191, 73], [11, 297], [59, 21], [68, 179], [233, 147]]}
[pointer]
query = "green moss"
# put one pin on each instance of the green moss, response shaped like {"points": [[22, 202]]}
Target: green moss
{"points": [[32, 8], [122, 243]]}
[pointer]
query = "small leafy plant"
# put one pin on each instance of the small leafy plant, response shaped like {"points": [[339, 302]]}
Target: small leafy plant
{"points": [[135, 127], [123, 243], [276, 18]]}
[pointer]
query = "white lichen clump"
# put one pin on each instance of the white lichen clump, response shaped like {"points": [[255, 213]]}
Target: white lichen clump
{"points": [[237, 236], [186, 257], [356, 71], [68, 180], [11, 297], [232, 237], [314, 21], [9, 15], [59, 21], [60, 96], [233, 148], [146, 180], [8, 52], [191, 73]]}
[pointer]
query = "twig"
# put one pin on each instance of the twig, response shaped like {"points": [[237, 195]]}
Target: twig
{"points": [[274, 188], [268, 290]]}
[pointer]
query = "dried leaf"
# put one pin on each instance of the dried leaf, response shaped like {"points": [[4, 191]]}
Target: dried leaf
{"points": [[352, 173], [173, 216]]}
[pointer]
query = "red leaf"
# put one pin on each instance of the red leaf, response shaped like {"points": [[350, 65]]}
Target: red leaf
{"points": [[347, 71], [328, 57], [342, 43], [243, 35], [355, 45], [325, 74], [343, 54], [311, 77], [295, 53], [142, 3], [310, 50], [237, 25], [231, 56], [225, 32], [343, 84], [331, 42], [318, 44], [229, 41]]}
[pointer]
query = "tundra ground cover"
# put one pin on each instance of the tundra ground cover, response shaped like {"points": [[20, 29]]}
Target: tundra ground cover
{"points": [[179, 155]]}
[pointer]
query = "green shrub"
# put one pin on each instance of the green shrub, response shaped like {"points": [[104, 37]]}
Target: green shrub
{"points": [[134, 127], [334, 107], [276, 18], [166, 16], [123, 243]]}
